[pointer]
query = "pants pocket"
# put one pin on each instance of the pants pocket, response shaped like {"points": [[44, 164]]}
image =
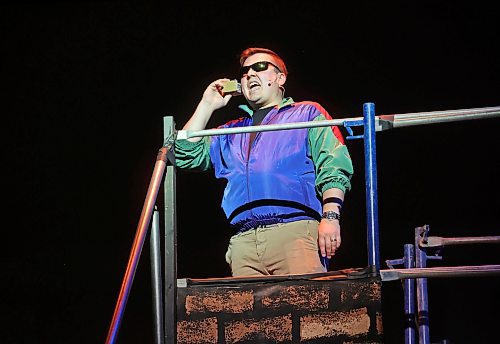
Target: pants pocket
{"points": [[312, 230]]}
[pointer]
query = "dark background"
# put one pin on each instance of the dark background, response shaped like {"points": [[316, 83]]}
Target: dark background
{"points": [[86, 85]]}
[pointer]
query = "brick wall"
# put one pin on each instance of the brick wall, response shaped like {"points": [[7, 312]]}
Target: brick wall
{"points": [[326, 308]]}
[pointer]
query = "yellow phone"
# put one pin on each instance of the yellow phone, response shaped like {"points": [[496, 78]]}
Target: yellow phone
{"points": [[232, 87]]}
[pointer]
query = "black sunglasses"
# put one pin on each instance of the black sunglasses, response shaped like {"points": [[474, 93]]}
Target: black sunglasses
{"points": [[258, 67]]}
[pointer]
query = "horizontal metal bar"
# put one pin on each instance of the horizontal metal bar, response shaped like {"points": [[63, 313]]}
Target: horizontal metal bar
{"points": [[434, 241], [450, 271], [421, 118], [383, 122], [187, 134]]}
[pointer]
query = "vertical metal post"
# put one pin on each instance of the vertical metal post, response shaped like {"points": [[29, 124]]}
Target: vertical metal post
{"points": [[422, 300], [409, 295], [170, 240], [156, 280], [371, 185]]}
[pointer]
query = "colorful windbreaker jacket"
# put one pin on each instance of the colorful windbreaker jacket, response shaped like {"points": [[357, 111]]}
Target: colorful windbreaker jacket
{"points": [[284, 174]]}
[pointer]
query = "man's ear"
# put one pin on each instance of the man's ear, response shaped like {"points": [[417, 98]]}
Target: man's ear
{"points": [[281, 79]]}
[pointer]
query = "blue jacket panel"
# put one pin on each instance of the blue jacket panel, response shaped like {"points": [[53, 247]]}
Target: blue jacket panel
{"points": [[274, 181]]}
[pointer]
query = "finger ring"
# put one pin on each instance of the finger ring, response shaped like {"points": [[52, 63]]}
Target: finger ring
{"points": [[333, 239]]}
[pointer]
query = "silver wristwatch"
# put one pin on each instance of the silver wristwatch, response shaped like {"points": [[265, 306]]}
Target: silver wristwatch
{"points": [[330, 215]]}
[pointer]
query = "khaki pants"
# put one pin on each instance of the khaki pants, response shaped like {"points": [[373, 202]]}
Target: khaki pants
{"points": [[281, 249]]}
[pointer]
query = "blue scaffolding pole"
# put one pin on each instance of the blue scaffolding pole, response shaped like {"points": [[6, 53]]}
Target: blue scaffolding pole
{"points": [[371, 185]]}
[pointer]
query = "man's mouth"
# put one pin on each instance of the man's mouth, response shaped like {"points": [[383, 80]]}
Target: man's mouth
{"points": [[253, 84]]}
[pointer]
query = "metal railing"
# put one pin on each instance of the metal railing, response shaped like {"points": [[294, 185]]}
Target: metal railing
{"points": [[166, 163], [415, 267]]}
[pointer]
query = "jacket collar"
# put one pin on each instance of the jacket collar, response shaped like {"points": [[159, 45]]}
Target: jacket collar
{"points": [[285, 102]]}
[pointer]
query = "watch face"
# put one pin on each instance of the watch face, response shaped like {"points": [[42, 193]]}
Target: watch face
{"points": [[330, 215]]}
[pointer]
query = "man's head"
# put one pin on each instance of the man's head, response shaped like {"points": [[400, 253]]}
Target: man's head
{"points": [[262, 75]]}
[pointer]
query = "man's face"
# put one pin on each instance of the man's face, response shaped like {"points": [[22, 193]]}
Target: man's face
{"points": [[261, 88]]}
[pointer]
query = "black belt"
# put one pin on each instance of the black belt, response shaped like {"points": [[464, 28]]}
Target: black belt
{"points": [[254, 224]]}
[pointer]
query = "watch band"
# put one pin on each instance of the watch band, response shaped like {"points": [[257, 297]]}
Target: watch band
{"points": [[330, 215]]}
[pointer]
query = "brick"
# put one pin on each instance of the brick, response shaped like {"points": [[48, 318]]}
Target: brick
{"points": [[276, 329], [311, 298], [331, 324], [197, 331], [229, 301], [361, 292]]}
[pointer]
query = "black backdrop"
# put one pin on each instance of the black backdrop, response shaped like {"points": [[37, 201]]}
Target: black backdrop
{"points": [[87, 83]]}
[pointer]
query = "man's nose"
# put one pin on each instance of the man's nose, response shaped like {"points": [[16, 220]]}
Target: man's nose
{"points": [[251, 72]]}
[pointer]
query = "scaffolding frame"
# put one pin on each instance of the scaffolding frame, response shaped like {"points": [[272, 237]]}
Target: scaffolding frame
{"points": [[165, 310]]}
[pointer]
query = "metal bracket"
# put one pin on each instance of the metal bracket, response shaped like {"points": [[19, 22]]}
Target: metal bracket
{"points": [[348, 126]]}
